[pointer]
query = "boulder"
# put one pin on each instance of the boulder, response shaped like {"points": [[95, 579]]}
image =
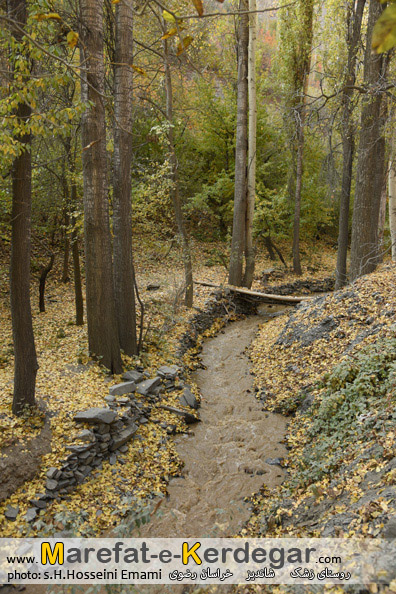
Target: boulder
{"points": [[51, 485], [121, 389], [188, 399], [31, 514], [96, 415], [170, 372], [11, 513], [145, 388], [133, 376], [85, 435], [123, 437], [53, 473]]}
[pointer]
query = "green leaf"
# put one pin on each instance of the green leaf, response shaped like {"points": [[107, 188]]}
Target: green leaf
{"points": [[168, 16], [384, 34]]}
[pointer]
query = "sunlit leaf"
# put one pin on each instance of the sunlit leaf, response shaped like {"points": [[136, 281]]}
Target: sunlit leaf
{"points": [[139, 70], [168, 16], [170, 33], [384, 34], [184, 44], [199, 6], [47, 16], [72, 39]]}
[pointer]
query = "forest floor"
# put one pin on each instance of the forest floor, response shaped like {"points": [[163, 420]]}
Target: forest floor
{"points": [[68, 382]]}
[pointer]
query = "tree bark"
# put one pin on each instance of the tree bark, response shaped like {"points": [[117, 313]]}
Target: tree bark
{"points": [[354, 26], [66, 252], [25, 366], [101, 317], [43, 279], [188, 275], [124, 282], [78, 295], [252, 146], [240, 194], [392, 207], [297, 201], [371, 159], [382, 214]]}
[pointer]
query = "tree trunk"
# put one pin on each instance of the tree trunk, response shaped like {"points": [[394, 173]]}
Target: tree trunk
{"points": [[297, 201], [124, 282], [189, 286], [252, 147], [240, 197], [25, 366], [101, 317], [382, 215], [354, 26], [371, 159], [392, 207], [78, 295], [66, 252], [43, 279]]}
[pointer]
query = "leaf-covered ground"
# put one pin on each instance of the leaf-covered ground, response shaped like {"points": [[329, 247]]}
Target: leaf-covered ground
{"points": [[68, 381], [333, 363]]}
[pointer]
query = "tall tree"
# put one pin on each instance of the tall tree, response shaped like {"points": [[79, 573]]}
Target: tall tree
{"points": [[301, 69], [101, 317], [392, 206], [124, 275], [25, 368], [175, 190], [252, 146], [240, 193], [353, 29], [371, 157]]}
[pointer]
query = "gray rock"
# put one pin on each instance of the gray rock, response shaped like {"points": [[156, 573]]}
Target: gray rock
{"points": [[31, 514], [96, 415], [85, 435], [123, 401], [188, 399], [168, 372], [133, 376], [103, 429], [121, 389], [79, 449], [39, 503], [11, 513], [123, 449], [53, 473], [113, 459], [145, 388], [123, 437], [188, 417], [51, 485], [390, 528], [110, 399], [274, 461]]}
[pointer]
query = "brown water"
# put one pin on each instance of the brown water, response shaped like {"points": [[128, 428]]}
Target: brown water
{"points": [[225, 458]]}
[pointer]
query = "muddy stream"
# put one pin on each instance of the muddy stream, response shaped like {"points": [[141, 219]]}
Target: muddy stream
{"points": [[225, 459]]}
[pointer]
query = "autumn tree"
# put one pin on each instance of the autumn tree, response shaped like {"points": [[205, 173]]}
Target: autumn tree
{"points": [[101, 315]]}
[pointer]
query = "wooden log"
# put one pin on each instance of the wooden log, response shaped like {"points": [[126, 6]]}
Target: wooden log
{"points": [[267, 297]]}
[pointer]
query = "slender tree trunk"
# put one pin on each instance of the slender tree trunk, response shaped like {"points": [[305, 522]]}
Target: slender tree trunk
{"points": [[240, 195], [66, 252], [297, 201], [189, 286], [252, 147], [78, 295], [371, 159], [101, 317], [382, 214], [354, 26], [43, 280], [25, 366], [392, 206], [124, 282]]}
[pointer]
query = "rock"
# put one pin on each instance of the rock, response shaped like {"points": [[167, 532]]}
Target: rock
{"points": [[390, 529], [113, 459], [31, 514], [53, 473], [123, 449], [168, 372], [133, 376], [123, 401], [274, 461], [39, 503], [51, 485], [123, 437], [96, 415], [188, 417], [188, 399], [121, 389], [85, 435], [143, 420], [145, 388], [79, 449], [110, 399], [153, 287], [11, 513]]}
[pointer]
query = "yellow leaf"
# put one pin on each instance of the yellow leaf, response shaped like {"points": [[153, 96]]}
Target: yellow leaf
{"points": [[170, 33], [199, 6], [168, 16], [384, 34], [139, 70], [72, 39], [47, 16], [185, 43]]}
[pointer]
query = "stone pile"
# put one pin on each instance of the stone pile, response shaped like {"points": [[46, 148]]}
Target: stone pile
{"points": [[110, 430]]}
